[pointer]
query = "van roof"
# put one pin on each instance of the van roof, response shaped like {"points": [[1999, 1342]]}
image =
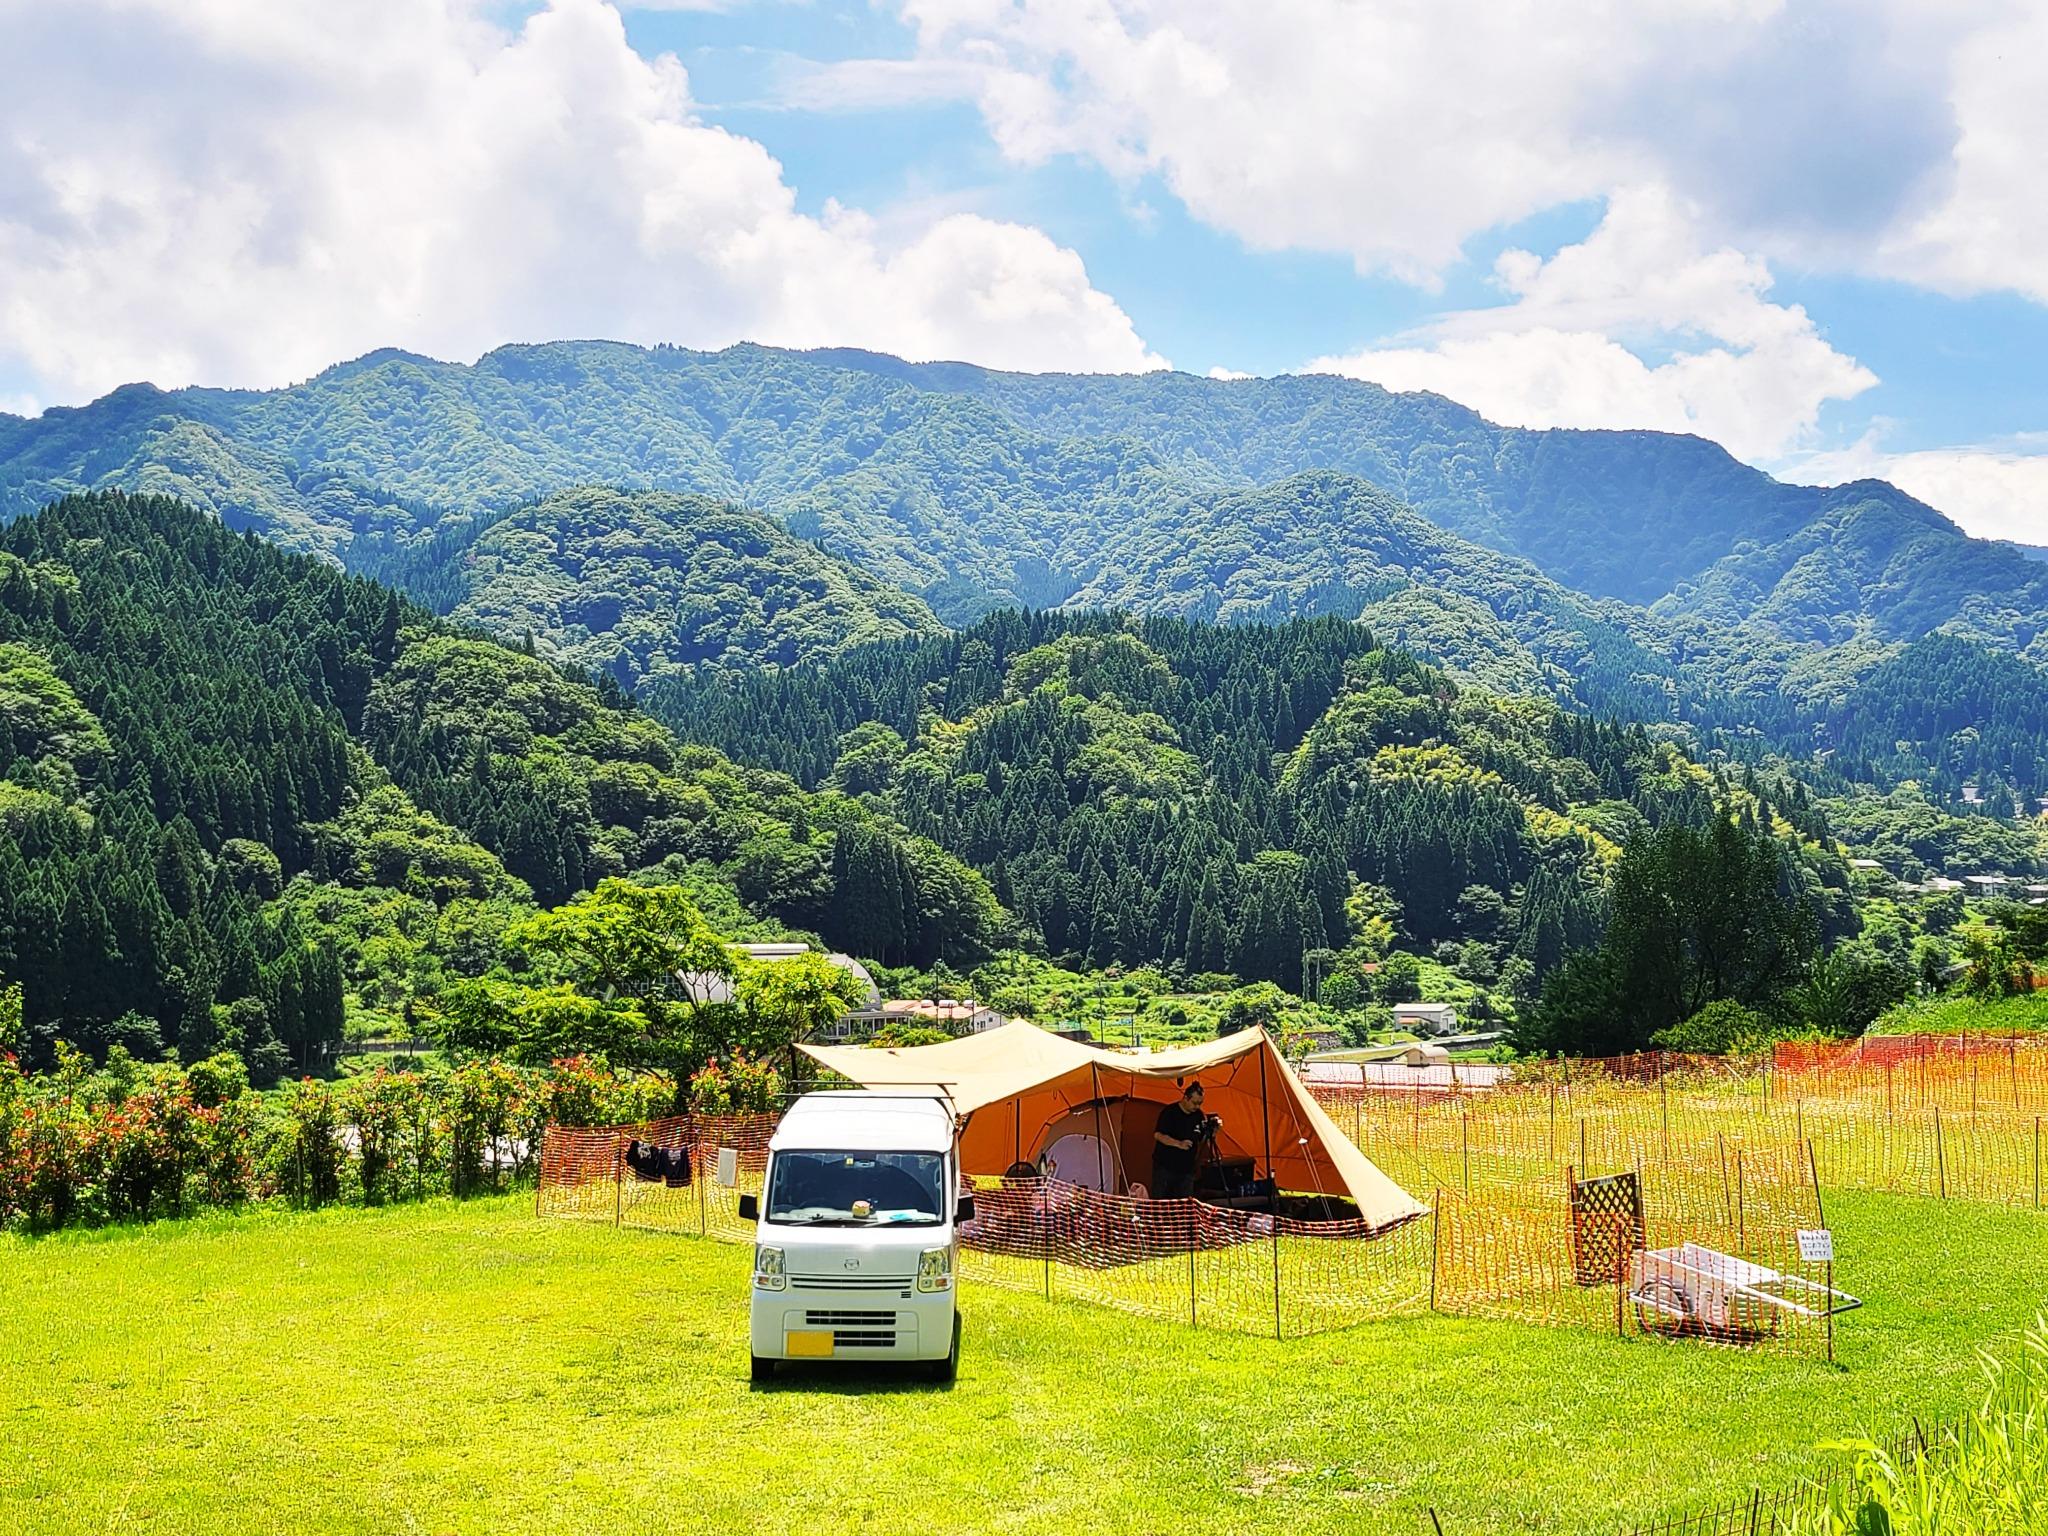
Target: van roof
{"points": [[859, 1120]]}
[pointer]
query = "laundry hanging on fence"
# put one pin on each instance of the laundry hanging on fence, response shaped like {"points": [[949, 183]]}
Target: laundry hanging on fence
{"points": [[645, 1159], [655, 1164]]}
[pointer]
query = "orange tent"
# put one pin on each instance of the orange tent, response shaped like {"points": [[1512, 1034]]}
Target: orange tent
{"points": [[1024, 1093]]}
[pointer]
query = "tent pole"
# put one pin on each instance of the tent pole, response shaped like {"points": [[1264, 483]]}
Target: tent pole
{"points": [[1273, 1177], [1101, 1146]]}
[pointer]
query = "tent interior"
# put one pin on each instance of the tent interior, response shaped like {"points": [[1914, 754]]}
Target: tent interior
{"points": [[1087, 1117], [1107, 1144]]}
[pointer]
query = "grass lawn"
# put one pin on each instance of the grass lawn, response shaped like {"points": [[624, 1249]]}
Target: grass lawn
{"points": [[468, 1368], [1953, 1013]]}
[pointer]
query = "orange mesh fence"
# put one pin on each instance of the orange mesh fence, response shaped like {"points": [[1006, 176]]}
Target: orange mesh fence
{"points": [[590, 1174], [1723, 1158], [1709, 1158], [1684, 1248], [1962, 1117], [1186, 1261]]}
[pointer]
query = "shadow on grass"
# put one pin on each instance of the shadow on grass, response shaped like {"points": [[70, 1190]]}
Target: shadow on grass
{"points": [[895, 1377]]}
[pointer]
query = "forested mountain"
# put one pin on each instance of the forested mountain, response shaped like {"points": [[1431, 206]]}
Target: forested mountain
{"points": [[236, 784], [978, 489], [1988, 711], [1324, 542], [1614, 514], [1758, 608], [1236, 799], [1876, 563], [636, 583]]}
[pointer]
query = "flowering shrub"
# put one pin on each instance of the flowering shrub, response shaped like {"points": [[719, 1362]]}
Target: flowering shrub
{"points": [[144, 1146], [485, 1101], [132, 1141], [393, 1132], [13, 1145], [314, 1141], [742, 1085], [582, 1090]]}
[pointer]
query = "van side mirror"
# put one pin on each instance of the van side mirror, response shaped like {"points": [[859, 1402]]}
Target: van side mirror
{"points": [[750, 1208], [964, 1211]]}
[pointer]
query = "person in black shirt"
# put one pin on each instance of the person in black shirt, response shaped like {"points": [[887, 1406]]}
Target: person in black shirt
{"points": [[1182, 1128]]}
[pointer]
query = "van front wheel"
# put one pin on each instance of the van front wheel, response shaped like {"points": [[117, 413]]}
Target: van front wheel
{"points": [[764, 1369], [945, 1371]]}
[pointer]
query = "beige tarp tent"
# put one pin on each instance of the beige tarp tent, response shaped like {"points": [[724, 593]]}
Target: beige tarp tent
{"points": [[1024, 1091]]}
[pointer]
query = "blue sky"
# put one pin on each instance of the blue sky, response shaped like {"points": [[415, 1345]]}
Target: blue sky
{"points": [[1810, 232]]}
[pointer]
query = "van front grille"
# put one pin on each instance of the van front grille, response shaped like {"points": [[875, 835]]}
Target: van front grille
{"points": [[863, 1338], [822, 1319], [851, 1282]]}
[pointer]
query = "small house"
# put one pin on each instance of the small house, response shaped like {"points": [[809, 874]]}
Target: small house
{"points": [[1426, 1018]]}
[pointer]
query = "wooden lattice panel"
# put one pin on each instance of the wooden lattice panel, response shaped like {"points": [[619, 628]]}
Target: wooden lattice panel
{"points": [[1607, 1226]]}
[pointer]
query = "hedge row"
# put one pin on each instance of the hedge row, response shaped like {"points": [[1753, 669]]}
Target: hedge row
{"points": [[131, 1142]]}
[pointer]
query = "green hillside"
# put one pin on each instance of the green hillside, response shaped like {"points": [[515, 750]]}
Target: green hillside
{"points": [[1875, 563], [639, 583], [245, 798], [1233, 799], [1330, 543]]}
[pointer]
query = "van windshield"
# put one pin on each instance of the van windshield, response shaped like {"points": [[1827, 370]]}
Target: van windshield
{"points": [[857, 1189]]}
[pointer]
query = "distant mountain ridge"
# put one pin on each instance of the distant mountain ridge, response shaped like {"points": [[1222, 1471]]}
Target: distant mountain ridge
{"points": [[1656, 564], [1613, 514]]}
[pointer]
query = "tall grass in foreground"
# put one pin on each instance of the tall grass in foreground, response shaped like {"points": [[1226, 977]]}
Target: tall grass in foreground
{"points": [[1991, 1479]]}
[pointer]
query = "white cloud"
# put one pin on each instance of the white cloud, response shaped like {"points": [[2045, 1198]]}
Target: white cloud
{"points": [[1569, 348], [246, 190], [1988, 232], [1227, 375], [1888, 136], [1995, 491], [1380, 131]]}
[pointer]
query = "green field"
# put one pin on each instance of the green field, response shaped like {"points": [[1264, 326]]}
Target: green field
{"points": [[1956, 1013], [468, 1368]]}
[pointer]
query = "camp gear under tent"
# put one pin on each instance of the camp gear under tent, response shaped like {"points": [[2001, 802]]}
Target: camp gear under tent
{"points": [[1026, 1093]]}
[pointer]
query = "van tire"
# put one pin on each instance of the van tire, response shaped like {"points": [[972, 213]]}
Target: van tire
{"points": [[946, 1371], [763, 1369]]}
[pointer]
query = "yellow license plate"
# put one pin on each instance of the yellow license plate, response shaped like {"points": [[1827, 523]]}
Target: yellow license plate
{"points": [[807, 1344]]}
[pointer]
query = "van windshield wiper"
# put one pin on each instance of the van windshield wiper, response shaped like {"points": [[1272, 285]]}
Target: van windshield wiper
{"points": [[821, 1221], [920, 1220]]}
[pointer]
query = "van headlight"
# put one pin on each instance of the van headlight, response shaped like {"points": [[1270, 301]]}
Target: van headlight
{"points": [[935, 1269], [768, 1271]]}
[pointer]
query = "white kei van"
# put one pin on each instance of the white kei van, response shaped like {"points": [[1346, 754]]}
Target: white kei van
{"points": [[854, 1244]]}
